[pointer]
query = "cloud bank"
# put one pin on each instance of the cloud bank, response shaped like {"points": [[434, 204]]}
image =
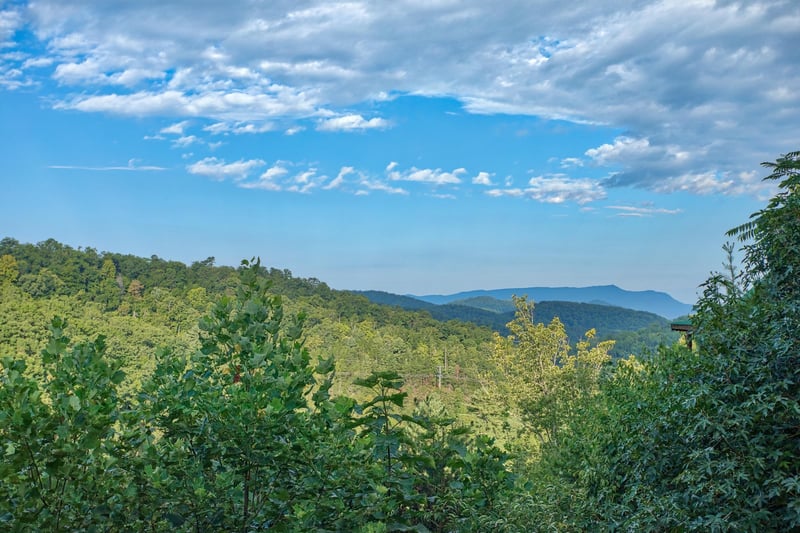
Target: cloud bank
{"points": [[701, 89]]}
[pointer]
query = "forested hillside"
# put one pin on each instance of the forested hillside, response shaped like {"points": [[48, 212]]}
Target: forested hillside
{"points": [[140, 304], [146, 395], [635, 332], [650, 301]]}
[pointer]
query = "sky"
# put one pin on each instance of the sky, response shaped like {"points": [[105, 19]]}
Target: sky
{"points": [[412, 146]]}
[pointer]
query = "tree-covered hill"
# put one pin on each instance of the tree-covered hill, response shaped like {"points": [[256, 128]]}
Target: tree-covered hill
{"points": [[637, 331], [140, 304], [487, 303], [650, 301]]}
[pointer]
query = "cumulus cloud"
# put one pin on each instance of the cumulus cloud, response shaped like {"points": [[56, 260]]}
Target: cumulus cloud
{"points": [[483, 178], [185, 140], [623, 149], [213, 104], [218, 169], [556, 189], [269, 180], [375, 185], [713, 81], [12, 64], [571, 162], [667, 169], [10, 21], [306, 181], [175, 129], [352, 123], [357, 182], [288, 176], [339, 180], [425, 175], [238, 128]]}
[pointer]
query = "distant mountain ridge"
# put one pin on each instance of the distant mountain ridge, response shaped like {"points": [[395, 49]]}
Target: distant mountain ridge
{"points": [[656, 302], [637, 331]]}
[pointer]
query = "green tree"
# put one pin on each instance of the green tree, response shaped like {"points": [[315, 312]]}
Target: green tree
{"points": [[42, 284], [59, 471], [541, 375], [198, 298], [108, 290], [9, 270], [236, 415]]}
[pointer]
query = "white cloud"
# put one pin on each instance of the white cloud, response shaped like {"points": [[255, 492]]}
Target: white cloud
{"points": [[266, 185], [213, 104], [306, 181], [133, 76], [713, 81], [238, 128], [253, 128], [13, 63], [483, 178], [559, 189], [179, 128], [623, 149], [38, 62], [374, 185], [668, 169], [217, 128], [426, 175], [280, 177], [352, 123], [131, 166], [698, 183], [642, 211], [274, 172], [506, 192], [217, 168], [270, 179], [339, 180], [186, 140], [556, 190], [10, 21]]}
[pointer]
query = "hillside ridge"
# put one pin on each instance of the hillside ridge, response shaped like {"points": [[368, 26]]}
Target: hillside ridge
{"points": [[652, 301]]}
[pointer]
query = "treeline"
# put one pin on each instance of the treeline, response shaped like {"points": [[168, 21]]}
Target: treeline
{"points": [[635, 332], [140, 304]]}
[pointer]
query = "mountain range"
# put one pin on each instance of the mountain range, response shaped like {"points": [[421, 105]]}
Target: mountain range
{"points": [[635, 331], [656, 302]]}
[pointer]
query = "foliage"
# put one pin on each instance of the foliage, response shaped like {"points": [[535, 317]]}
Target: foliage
{"points": [[542, 376], [59, 470], [610, 322], [9, 270], [241, 434], [701, 440]]}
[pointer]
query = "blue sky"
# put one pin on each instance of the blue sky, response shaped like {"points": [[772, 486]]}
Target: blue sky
{"points": [[414, 146]]}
